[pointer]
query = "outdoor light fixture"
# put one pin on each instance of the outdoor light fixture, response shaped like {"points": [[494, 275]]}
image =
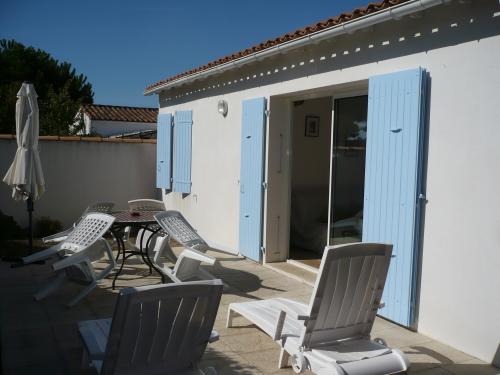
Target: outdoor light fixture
{"points": [[222, 107]]}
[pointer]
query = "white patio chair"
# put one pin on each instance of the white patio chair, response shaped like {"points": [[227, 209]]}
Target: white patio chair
{"points": [[331, 335], [146, 205], [82, 248], [178, 228], [157, 329], [142, 205], [102, 207]]}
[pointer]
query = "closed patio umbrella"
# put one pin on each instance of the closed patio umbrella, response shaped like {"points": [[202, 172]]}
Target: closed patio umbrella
{"points": [[25, 174]]}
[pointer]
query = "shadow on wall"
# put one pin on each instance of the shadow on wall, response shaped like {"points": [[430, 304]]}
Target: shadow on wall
{"points": [[436, 28]]}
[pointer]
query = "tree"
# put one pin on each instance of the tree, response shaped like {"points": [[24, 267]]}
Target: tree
{"points": [[60, 90]]}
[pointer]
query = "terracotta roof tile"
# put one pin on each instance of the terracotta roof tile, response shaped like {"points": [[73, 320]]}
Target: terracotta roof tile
{"points": [[330, 22], [102, 112]]}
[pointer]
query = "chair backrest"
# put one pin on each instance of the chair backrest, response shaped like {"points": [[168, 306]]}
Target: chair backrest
{"points": [[347, 293], [180, 230], [146, 205], [161, 328], [102, 207], [87, 231]]}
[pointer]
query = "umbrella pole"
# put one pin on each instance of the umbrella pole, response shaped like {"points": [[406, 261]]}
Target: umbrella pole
{"points": [[30, 216]]}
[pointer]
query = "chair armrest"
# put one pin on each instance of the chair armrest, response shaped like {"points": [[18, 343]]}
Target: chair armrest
{"points": [[283, 311], [288, 310], [214, 336], [44, 254], [92, 343], [56, 237], [196, 255]]}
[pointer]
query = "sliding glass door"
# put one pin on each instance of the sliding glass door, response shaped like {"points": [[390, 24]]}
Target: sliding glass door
{"points": [[348, 170]]}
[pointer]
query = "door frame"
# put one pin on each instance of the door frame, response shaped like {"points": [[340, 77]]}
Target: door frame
{"points": [[356, 89]]}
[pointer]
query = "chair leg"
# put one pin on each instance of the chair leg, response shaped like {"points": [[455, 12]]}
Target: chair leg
{"points": [[50, 287], [284, 357], [82, 294], [85, 359], [230, 316]]}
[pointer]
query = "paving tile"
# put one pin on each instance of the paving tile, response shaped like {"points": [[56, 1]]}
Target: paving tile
{"points": [[428, 371], [398, 337], [46, 334]]}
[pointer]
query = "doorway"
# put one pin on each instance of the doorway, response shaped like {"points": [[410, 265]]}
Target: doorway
{"points": [[327, 175], [310, 177]]}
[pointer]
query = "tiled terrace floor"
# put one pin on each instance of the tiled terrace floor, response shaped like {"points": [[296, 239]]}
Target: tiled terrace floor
{"points": [[41, 337]]}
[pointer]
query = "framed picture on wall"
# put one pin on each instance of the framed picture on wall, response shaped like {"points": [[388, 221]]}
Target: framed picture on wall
{"points": [[312, 126]]}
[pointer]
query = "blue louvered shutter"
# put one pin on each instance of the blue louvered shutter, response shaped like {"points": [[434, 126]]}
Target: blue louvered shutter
{"points": [[396, 123], [252, 177], [164, 151], [183, 122]]}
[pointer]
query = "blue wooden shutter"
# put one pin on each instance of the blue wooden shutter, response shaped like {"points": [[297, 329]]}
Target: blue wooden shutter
{"points": [[182, 151], [252, 177], [393, 182], [164, 151]]}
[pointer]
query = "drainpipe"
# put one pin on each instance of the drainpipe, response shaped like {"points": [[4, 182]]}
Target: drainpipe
{"points": [[393, 13]]}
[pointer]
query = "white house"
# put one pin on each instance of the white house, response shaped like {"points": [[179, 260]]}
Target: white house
{"points": [[378, 125], [112, 120]]}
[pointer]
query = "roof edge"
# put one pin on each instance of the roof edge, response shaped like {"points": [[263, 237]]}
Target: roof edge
{"points": [[395, 12]]}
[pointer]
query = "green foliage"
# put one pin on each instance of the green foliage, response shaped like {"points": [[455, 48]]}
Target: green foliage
{"points": [[60, 90], [9, 230], [46, 226]]}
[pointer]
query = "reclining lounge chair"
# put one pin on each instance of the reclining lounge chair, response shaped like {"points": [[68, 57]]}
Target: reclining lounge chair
{"points": [[178, 228], [83, 246], [158, 329], [102, 207], [331, 335]]}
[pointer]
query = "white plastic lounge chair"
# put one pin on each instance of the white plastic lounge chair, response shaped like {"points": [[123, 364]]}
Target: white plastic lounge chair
{"points": [[83, 246], [102, 207], [331, 335], [178, 228], [158, 329]]}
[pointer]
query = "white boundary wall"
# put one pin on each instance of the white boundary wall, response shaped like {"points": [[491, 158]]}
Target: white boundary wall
{"points": [[459, 45], [78, 173]]}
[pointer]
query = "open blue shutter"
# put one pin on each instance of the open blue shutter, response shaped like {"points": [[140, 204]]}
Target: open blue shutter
{"points": [[252, 177], [396, 124], [183, 122], [164, 151]]}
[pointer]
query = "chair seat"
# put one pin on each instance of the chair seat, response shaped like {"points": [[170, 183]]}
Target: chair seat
{"points": [[352, 350], [264, 315]]}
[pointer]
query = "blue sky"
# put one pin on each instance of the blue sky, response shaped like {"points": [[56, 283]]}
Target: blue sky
{"points": [[123, 46]]}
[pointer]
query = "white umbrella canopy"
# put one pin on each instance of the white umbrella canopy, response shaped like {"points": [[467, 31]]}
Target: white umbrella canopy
{"points": [[25, 174]]}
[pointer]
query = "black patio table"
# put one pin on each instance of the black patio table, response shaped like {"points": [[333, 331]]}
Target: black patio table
{"points": [[137, 220]]}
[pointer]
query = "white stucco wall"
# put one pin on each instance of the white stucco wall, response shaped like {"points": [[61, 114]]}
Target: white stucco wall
{"points": [[78, 173], [459, 46], [110, 128]]}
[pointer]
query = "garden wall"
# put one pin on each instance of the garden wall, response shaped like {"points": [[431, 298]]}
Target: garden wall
{"points": [[82, 170]]}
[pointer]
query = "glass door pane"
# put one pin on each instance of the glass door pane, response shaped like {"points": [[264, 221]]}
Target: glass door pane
{"points": [[348, 170]]}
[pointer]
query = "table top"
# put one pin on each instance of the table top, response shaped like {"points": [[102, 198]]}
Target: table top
{"points": [[140, 217]]}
